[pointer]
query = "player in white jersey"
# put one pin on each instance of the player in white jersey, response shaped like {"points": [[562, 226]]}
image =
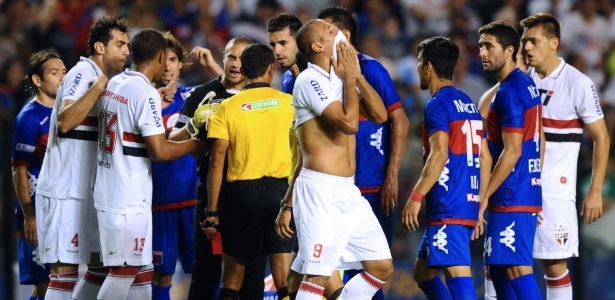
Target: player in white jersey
{"points": [[570, 103], [66, 220], [131, 134]]}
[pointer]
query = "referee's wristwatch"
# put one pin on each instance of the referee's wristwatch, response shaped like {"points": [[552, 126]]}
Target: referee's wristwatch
{"points": [[284, 205]]}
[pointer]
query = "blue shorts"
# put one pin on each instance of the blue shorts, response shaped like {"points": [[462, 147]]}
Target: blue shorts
{"points": [[29, 271], [446, 245], [173, 238], [509, 238]]}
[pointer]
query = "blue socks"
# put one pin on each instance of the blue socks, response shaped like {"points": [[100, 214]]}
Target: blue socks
{"points": [[435, 289], [461, 288], [526, 287], [161, 292], [503, 285]]}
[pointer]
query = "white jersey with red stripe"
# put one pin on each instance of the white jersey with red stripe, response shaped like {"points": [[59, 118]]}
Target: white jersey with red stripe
{"points": [[570, 101], [69, 165], [130, 110]]}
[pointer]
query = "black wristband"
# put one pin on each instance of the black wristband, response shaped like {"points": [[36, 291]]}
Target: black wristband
{"points": [[285, 206], [212, 213]]}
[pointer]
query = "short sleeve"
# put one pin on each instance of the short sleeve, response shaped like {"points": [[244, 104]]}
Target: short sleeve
{"points": [[315, 93], [588, 106], [76, 84], [510, 110], [436, 118], [148, 117], [218, 124], [25, 135]]}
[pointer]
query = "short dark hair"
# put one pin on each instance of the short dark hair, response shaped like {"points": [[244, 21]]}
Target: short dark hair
{"points": [[255, 59], [146, 45], [174, 45], [100, 31], [343, 19], [442, 53], [305, 38], [549, 24], [35, 66], [283, 20], [504, 33]]}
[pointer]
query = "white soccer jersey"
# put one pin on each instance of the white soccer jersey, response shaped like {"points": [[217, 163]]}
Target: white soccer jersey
{"points": [[314, 90], [69, 166], [130, 110], [569, 102]]}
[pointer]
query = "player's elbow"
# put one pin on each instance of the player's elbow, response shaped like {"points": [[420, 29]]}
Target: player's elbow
{"points": [[63, 125], [350, 128]]}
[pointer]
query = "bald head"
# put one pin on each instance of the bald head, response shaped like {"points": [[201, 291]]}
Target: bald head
{"points": [[306, 36]]}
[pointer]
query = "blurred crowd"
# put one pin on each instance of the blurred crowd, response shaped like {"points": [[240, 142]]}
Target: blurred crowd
{"points": [[389, 31]]}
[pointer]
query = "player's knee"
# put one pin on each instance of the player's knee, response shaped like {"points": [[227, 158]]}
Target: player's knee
{"points": [[162, 279], [554, 268], [382, 270]]}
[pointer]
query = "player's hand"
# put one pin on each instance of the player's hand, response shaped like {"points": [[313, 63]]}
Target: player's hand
{"points": [[347, 63], [479, 229], [210, 226], [592, 207], [282, 224], [167, 93], [410, 215], [203, 55], [539, 218], [205, 111], [100, 82], [388, 195], [29, 225]]}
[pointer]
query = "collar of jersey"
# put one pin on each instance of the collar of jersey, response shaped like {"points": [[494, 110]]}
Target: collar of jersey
{"points": [[559, 69], [135, 73], [319, 70], [254, 85], [93, 64]]}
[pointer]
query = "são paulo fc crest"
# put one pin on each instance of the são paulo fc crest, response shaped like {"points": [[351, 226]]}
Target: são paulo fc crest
{"points": [[561, 235]]}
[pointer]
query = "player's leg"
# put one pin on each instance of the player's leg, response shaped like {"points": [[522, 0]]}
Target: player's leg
{"points": [[62, 281], [335, 286], [207, 267], [294, 278], [556, 240], [427, 278], [141, 287], [457, 260], [489, 288], [165, 249], [253, 284], [31, 270]]}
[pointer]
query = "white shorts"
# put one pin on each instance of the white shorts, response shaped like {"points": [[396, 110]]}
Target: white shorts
{"points": [[558, 235], [336, 226], [67, 229], [125, 239]]}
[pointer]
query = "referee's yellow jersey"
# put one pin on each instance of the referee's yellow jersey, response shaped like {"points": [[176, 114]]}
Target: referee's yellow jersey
{"points": [[256, 122]]}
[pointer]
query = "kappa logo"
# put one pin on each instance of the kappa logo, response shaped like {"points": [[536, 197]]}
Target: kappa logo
{"points": [[444, 176], [508, 236], [561, 235], [377, 140], [440, 239]]}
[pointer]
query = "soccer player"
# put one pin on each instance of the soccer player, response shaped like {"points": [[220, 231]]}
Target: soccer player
{"points": [[67, 227], [253, 126], [453, 145], [174, 185], [322, 190], [30, 131], [132, 134], [380, 146], [282, 31], [514, 191], [569, 103], [207, 266]]}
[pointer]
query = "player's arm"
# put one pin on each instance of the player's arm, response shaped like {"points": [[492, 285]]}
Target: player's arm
{"points": [[345, 117], [72, 112], [22, 189], [215, 176], [592, 205], [507, 161], [282, 222], [161, 149], [207, 60], [372, 106], [485, 162], [438, 155], [399, 138]]}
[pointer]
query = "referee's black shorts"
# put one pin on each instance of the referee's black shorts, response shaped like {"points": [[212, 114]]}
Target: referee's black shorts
{"points": [[247, 213]]}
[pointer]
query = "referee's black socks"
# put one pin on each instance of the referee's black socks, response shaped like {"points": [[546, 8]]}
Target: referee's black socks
{"points": [[228, 294], [283, 294]]}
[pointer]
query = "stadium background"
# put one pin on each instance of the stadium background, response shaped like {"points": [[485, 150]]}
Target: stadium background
{"points": [[388, 31]]}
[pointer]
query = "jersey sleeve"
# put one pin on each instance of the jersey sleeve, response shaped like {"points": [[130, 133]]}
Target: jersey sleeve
{"points": [[315, 94], [511, 111], [378, 77], [25, 135], [588, 103], [76, 84], [436, 118], [148, 117], [190, 105], [218, 124]]}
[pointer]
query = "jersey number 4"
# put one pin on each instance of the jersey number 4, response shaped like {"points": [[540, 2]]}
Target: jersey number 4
{"points": [[108, 133]]}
